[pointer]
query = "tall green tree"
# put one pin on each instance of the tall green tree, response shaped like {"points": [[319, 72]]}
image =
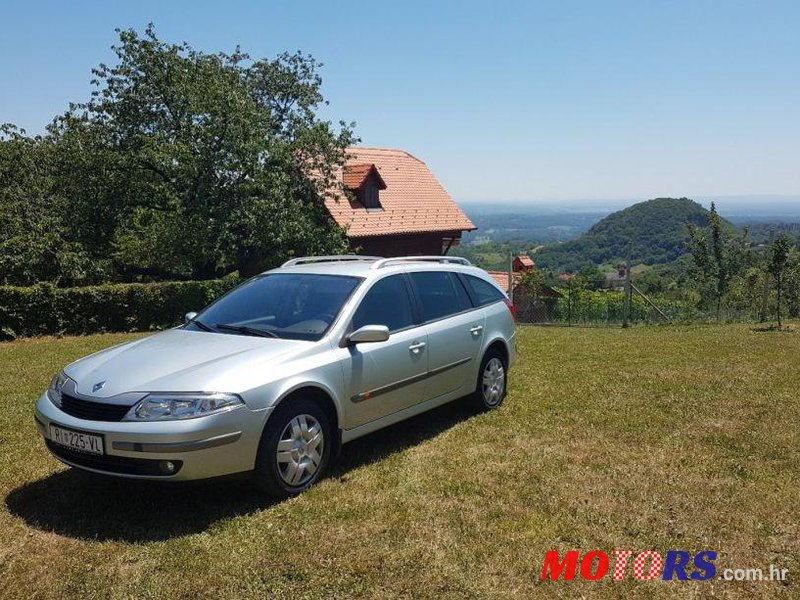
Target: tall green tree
{"points": [[189, 164], [718, 254], [777, 262], [36, 240]]}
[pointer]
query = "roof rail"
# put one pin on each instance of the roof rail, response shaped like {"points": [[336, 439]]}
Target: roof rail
{"points": [[385, 262], [305, 260]]}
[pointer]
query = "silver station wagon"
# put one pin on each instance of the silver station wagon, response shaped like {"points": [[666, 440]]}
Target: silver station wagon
{"points": [[276, 375]]}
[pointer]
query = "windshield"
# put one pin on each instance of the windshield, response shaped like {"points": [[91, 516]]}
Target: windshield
{"points": [[286, 305]]}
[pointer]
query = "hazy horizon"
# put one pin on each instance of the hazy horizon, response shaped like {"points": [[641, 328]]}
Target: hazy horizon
{"points": [[768, 204]]}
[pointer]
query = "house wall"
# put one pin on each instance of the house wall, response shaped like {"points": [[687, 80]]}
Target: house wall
{"points": [[403, 245]]}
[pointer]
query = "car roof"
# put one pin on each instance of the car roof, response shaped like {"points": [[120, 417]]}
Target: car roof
{"points": [[369, 268]]}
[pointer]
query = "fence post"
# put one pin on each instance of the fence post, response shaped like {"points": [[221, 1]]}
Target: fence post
{"points": [[569, 304]]}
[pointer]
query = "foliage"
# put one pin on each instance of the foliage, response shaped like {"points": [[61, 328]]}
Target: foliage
{"points": [[579, 305], [792, 276], [672, 279], [36, 241], [181, 164], [764, 233], [45, 309], [534, 282], [651, 232], [749, 293], [718, 255]]}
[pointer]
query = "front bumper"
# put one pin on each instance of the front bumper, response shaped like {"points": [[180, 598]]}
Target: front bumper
{"points": [[203, 447]]}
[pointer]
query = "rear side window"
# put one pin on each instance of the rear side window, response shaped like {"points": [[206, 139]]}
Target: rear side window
{"points": [[438, 295], [386, 303], [482, 291]]}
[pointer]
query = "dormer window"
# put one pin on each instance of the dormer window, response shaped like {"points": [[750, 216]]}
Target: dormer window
{"points": [[365, 182]]}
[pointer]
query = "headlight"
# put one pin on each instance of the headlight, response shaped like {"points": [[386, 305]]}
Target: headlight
{"points": [[168, 407], [54, 391]]}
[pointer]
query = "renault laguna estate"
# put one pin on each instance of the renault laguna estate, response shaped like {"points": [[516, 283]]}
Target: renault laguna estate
{"points": [[276, 375]]}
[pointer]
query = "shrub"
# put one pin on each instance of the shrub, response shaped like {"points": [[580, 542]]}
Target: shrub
{"points": [[589, 306], [46, 310]]}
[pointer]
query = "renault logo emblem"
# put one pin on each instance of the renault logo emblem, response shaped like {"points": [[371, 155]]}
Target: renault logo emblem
{"points": [[98, 386]]}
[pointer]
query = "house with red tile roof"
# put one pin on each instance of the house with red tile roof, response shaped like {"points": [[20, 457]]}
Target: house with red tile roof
{"points": [[394, 205], [523, 262], [538, 307]]}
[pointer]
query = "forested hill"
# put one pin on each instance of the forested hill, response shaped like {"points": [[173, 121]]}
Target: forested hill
{"points": [[650, 232]]}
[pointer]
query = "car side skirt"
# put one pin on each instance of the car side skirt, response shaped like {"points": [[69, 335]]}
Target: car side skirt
{"points": [[348, 435]]}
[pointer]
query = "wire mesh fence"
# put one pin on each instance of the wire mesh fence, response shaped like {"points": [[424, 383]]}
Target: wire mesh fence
{"points": [[575, 306]]}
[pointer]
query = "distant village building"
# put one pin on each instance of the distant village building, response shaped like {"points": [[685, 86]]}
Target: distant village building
{"points": [[615, 280], [530, 307], [523, 263], [398, 207]]}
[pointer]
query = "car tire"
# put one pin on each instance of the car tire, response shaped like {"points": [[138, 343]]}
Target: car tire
{"points": [[490, 389], [295, 449]]}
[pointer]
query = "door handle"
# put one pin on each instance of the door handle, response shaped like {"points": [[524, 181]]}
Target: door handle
{"points": [[476, 329], [416, 347]]}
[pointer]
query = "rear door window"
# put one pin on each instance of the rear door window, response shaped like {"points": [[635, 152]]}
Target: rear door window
{"points": [[438, 295], [482, 292]]}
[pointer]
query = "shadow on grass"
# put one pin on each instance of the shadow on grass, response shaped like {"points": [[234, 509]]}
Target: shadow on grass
{"points": [[82, 505], [768, 328]]}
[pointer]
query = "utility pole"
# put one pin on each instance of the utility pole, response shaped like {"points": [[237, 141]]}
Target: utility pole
{"points": [[511, 276], [626, 304]]}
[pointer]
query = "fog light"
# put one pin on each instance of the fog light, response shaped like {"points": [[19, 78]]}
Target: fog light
{"points": [[167, 466]]}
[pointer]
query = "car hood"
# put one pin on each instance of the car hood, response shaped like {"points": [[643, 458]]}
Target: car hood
{"points": [[181, 360]]}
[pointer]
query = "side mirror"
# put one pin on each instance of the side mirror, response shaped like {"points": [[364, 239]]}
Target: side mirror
{"points": [[190, 316], [369, 333]]}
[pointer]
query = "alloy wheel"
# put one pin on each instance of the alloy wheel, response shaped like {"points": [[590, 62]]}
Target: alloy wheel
{"points": [[494, 381], [300, 450]]}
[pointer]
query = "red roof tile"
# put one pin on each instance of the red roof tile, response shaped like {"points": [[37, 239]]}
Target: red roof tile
{"points": [[354, 175], [501, 277], [525, 260], [413, 201]]}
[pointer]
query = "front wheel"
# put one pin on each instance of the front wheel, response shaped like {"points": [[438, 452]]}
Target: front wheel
{"points": [[490, 389], [294, 450]]}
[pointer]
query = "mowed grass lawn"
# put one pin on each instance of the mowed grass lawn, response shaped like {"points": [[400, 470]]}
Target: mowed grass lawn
{"points": [[648, 438]]}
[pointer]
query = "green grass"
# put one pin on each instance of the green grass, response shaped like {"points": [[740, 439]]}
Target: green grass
{"points": [[649, 438]]}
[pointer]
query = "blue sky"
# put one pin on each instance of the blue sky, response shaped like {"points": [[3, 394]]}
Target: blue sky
{"points": [[510, 101]]}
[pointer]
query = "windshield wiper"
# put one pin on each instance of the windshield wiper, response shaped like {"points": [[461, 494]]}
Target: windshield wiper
{"points": [[247, 330], [202, 326]]}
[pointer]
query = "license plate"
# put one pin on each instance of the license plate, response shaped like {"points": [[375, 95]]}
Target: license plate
{"points": [[77, 440]]}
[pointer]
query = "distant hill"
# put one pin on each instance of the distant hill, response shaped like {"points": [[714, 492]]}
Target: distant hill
{"points": [[651, 232]]}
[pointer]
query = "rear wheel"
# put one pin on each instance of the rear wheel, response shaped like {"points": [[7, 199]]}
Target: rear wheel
{"points": [[294, 450], [490, 389]]}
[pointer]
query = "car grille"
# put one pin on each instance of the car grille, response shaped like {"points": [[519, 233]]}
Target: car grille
{"points": [[122, 465], [92, 411]]}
